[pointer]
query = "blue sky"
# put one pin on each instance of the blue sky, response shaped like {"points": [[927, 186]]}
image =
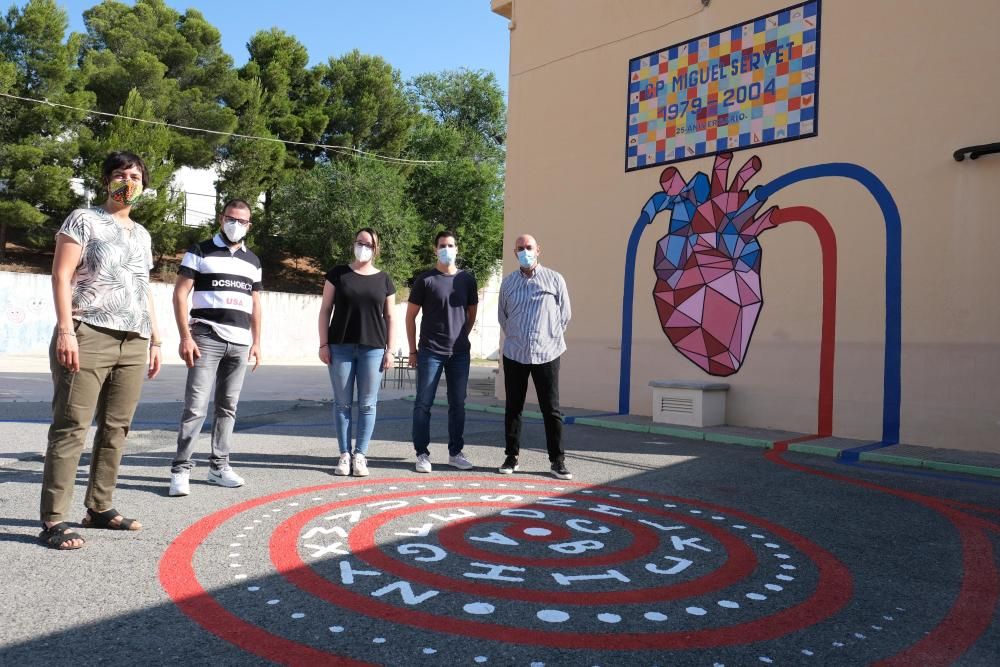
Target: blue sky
{"points": [[415, 36]]}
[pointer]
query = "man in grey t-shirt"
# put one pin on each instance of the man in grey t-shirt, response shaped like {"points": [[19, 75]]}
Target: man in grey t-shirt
{"points": [[449, 299]]}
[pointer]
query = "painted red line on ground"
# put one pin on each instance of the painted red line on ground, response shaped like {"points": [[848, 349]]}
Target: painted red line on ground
{"points": [[452, 536], [828, 328], [833, 591], [782, 445], [972, 612], [738, 565], [516, 527], [179, 580], [971, 506]]}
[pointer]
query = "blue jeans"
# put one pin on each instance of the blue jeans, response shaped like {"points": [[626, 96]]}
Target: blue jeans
{"points": [[350, 363], [456, 375], [224, 365]]}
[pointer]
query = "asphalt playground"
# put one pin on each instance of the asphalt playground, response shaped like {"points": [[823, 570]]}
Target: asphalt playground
{"points": [[663, 550]]}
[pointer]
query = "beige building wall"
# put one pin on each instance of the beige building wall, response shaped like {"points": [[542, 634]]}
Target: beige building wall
{"points": [[902, 85]]}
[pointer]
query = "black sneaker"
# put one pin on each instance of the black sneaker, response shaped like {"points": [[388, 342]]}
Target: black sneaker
{"points": [[560, 471], [509, 465]]}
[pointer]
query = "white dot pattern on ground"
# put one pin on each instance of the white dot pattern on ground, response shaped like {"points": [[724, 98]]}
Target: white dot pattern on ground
{"points": [[555, 616], [552, 616]]}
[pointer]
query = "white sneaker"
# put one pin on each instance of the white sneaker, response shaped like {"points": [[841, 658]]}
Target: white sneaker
{"points": [[360, 465], [459, 461], [423, 463], [225, 477], [343, 466], [180, 483]]}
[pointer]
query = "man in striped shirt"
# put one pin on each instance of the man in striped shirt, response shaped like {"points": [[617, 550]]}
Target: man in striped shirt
{"points": [[218, 340], [534, 312]]}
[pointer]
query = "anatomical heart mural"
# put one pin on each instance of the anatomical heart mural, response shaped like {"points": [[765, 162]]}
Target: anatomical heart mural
{"points": [[708, 291]]}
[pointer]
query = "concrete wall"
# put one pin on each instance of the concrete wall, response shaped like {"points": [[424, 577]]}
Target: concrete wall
{"points": [[289, 326], [901, 87]]}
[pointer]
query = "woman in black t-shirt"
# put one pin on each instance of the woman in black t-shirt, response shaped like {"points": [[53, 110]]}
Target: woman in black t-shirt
{"points": [[356, 344]]}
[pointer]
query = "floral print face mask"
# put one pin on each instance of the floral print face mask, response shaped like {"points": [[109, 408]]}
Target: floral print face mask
{"points": [[125, 192]]}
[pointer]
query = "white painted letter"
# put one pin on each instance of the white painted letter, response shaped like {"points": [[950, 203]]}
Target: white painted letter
{"points": [[496, 538], [422, 531], [457, 514], [577, 547], [577, 524], [336, 530], [679, 544], [525, 514], [406, 591], [389, 504], [347, 573], [408, 549], [322, 550], [610, 574], [610, 509], [682, 564], [494, 572], [660, 526]]}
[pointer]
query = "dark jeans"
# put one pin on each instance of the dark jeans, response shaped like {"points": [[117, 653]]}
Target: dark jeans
{"points": [[546, 379], [456, 377]]}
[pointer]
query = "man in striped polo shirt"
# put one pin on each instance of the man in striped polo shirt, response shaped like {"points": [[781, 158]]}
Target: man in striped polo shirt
{"points": [[218, 340], [534, 312]]}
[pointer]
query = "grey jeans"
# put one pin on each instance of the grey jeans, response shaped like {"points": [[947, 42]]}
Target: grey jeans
{"points": [[223, 364]]}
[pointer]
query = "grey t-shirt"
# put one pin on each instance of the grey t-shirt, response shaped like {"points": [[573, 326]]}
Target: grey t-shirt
{"points": [[444, 299]]}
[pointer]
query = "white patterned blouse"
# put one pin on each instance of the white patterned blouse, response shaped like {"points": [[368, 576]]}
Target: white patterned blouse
{"points": [[111, 283]]}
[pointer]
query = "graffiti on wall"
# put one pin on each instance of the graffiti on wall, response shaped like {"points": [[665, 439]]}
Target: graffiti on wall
{"points": [[747, 85], [28, 316], [708, 293]]}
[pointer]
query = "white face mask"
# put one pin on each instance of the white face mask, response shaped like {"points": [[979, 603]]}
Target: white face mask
{"points": [[234, 231], [362, 252], [447, 256]]}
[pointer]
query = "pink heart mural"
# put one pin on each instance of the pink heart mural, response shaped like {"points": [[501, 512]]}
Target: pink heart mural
{"points": [[707, 292]]}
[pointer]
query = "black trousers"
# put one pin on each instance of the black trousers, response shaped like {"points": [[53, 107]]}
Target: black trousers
{"points": [[546, 379]]}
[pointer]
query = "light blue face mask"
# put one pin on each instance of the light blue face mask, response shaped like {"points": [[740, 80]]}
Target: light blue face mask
{"points": [[447, 255], [526, 258]]}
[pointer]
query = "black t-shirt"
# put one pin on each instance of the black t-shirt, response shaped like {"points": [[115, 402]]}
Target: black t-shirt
{"points": [[358, 306], [444, 299]]}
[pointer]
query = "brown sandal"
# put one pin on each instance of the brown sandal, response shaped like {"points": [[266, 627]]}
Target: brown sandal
{"points": [[106, 519]]}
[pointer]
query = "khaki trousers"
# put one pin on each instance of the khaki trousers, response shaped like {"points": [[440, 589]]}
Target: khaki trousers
{"points": [[112, 368]]}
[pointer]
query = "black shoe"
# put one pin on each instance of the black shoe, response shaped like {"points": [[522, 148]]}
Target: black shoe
{"points": [[560, 471], [509, 465]]}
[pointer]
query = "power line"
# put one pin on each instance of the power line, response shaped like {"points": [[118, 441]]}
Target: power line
{"points": [[613, 41], [191, 194], [343, 150]]}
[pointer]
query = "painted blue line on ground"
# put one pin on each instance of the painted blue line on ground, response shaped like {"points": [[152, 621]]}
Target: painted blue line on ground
{"points": [[854, 453], [920, 473]]}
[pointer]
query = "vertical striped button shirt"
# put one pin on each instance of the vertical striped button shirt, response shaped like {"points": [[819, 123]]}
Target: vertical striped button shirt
{"points": [[224, 282], [534, 313]]}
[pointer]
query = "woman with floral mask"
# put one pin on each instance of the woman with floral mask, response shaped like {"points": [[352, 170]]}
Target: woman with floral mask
{"points": [[106, 339], [356, 339]]}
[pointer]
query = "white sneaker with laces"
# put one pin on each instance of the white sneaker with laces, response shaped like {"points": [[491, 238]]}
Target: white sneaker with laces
{"points": [[459, 461], [423, 463], [343, 466], [360, 465], [180, 483], [225, 477]]}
